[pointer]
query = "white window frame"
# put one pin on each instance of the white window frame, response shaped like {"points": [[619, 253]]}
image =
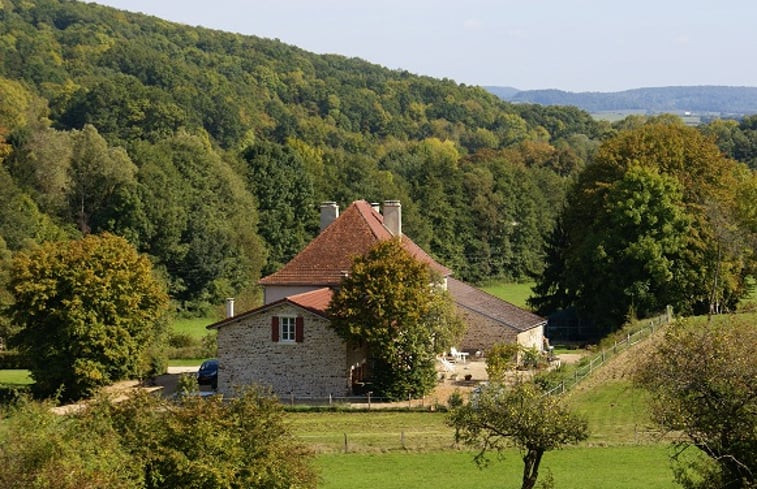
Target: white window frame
{"points": [[287, 329]]}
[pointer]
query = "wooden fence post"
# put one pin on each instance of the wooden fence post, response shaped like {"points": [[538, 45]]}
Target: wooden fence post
{"points": [[345, 443]]}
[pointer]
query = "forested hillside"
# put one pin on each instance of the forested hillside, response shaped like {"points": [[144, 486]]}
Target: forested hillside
{"points": [[210, 151]]}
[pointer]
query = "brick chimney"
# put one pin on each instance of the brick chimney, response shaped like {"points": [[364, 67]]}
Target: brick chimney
{"points": [[329, 213], [393, 217]]}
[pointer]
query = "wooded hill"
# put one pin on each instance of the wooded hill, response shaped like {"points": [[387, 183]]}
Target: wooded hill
{"points": [[210, 151], [701, 99]]}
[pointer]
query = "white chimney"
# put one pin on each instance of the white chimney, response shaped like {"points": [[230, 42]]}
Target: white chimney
{"points": [[376, 207], [230, 307], [329, 213], [393, 217]]}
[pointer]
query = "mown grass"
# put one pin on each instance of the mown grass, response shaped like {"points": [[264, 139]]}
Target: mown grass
{"points": [[617, 413], [15, 377], [514, 293], [631, 467], [194, 327], [372, 431]]}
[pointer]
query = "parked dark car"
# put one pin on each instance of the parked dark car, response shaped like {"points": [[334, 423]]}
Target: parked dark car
{"points": [[208, 373]]}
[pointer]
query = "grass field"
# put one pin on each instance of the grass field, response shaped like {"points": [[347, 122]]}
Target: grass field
{"points": [[194, 327], [15, 377], [616, 412], [514, 293], [575, 468], [373, 431]]}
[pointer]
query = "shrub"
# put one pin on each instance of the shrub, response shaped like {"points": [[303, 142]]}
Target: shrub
{"points": [[148, 443]]}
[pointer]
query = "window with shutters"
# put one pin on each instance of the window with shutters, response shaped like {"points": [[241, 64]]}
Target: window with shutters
{"points": [[287, 325], [287, 329]]}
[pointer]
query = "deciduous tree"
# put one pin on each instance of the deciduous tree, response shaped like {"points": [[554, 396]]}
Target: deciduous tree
{"points": [[88, 313], [704, 383], [636, 233], [522, 415], [394, 304]]}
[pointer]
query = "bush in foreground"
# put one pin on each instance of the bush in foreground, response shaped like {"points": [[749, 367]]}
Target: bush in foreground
{"points": [[147, 442]]}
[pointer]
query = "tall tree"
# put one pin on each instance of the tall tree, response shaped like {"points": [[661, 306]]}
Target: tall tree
{"points": [[393, 304], [89, 312], [284, 190], [99, 176], [199, 220], [637, 231]]}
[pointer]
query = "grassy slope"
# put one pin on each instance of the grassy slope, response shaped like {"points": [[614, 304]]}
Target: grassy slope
{"points": [[513, 293]]}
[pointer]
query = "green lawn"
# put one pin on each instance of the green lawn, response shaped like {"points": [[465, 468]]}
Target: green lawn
{"points": [[515, 293], [373, 431], [632, 467], [15, 377], [616, 412], [195, 327]]}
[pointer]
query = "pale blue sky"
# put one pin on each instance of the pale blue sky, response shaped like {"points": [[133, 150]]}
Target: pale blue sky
{"points": [[577, 45]]}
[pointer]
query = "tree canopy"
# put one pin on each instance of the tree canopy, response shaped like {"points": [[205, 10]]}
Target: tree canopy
{"points": [[394, 305], [161, 133], [88, 312], [645, 226]]}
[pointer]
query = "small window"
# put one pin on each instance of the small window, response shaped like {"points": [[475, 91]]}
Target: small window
{"points": [[287, 325]]}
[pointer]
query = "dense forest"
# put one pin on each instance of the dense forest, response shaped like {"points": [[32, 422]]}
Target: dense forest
{"points": [[210, 151], [702, 99]]}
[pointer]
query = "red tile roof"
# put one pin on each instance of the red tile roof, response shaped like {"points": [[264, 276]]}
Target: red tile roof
{"points": [[494, 308], [315, 301], [326, 259]]}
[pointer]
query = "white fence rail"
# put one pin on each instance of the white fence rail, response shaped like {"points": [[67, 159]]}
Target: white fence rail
{"points": [[583, 371]]}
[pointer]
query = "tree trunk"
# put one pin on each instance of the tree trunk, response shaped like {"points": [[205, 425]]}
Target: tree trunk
{"points": [[531, 462]]}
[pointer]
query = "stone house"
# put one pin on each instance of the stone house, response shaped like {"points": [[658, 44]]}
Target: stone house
{"points": [[287, 343]]}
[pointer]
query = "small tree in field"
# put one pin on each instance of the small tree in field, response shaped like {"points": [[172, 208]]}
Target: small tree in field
{"points": [[704, 383], [499, 416], [89, 313], [392, 303]]}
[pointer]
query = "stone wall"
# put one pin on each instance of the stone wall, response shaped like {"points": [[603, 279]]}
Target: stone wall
{"points": [[532, 338], [316, 367]]}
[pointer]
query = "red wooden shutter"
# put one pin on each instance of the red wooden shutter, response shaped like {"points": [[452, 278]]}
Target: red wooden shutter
{"points": [[299, 329], [275, 329]]}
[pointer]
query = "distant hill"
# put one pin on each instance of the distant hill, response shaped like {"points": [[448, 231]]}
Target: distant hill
{"points": [[505, 93], [701, 99]]}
